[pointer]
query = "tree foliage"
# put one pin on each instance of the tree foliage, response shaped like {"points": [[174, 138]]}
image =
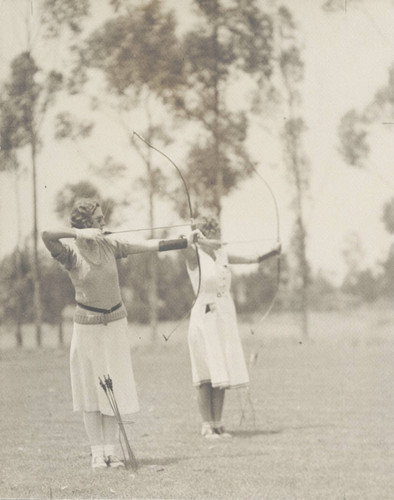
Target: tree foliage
{"points": [[57, 291], [21, 94], [57, 14], [23, 107], [16, 294], [387, 275], [174, 291], [355, 127], [291, 67], [353, 138], [67, 197], [16, 289], [136, 54], [355, 131], [134, 50], [388, 215], [230, 40]]}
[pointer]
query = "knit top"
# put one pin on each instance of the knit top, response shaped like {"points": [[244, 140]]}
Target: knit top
{"points": [[92, 268]]}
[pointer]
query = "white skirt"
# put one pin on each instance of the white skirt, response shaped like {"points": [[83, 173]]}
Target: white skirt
{"points": [[216, 352], [98, 351]]}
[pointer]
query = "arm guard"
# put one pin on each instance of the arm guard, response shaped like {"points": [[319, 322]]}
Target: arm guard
{"points": [[165, 245]]}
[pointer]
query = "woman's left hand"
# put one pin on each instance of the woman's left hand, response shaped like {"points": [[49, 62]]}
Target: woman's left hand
{"points": [[212, 244], [194, 237]]}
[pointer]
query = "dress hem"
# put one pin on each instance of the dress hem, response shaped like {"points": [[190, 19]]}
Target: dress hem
{"points": [[222, 385]]}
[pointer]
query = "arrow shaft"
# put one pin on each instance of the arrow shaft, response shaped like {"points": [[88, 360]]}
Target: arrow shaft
{"points": [[145, 229]]}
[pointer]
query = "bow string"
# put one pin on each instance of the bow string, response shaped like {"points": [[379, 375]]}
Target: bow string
{"points": [[192, 226], [278, 269]]}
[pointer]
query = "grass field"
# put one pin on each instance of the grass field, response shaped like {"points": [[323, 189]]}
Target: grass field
{"points": [[323, 429]]}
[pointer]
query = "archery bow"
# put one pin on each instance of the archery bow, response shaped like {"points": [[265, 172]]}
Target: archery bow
{"points": [[275, 203], [253, 357], [192, 225]]}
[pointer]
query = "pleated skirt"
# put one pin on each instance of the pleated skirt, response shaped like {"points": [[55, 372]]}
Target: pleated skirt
{"points": [[98, 351], [215, 347]]}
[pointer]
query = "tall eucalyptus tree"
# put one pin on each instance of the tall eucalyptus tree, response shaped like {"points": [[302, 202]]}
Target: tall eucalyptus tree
{"points": [[29, 92], [291, 68], [230, 42]]}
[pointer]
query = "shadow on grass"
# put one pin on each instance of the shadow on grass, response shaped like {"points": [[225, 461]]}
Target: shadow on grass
{"points": [[310, 426], [267, 432], [152, 462], [254, 432]]}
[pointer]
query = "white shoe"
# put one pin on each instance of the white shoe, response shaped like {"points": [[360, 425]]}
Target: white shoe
{"points": [[98, 462], [114, 462], [208, 432]]}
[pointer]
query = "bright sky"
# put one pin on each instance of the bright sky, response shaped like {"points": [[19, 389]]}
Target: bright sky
{"points": [[347, 55]]}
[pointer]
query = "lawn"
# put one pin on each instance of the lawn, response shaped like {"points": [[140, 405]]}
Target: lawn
{"points": [[320, 424]]}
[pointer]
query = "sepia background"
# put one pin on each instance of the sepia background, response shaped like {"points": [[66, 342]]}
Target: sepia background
{"points": [[279, 116]]}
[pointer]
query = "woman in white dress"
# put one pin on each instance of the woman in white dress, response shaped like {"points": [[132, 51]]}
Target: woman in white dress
{"points": [[216, 354]]}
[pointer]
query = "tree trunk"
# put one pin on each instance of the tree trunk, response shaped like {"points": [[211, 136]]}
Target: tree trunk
{"points": [[61, 331], [218, 190], [153, 299], [18, 264], [297, 164], [301, 250], [18, 330], [305, 284], [304, 314], [153, 289], [36, 268]]}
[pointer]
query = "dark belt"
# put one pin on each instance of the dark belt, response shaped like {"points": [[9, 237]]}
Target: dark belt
{"points": [[98, 310]]}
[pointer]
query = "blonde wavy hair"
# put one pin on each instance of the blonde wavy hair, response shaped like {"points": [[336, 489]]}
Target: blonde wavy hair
{"points": [[82, 212]]}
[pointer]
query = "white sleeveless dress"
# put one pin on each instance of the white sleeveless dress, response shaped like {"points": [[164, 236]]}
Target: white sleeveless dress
{"points": [[215, 347]]}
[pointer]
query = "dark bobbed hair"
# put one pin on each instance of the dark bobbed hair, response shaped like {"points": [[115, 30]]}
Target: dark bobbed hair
{"points": [[207, 223], [82, 212]]}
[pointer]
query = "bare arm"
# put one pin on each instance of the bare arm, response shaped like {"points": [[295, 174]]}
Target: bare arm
{"points": [[157, 245], [51, 238], [154, 245], [212, 244], [242, 259], [254, 259]]}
